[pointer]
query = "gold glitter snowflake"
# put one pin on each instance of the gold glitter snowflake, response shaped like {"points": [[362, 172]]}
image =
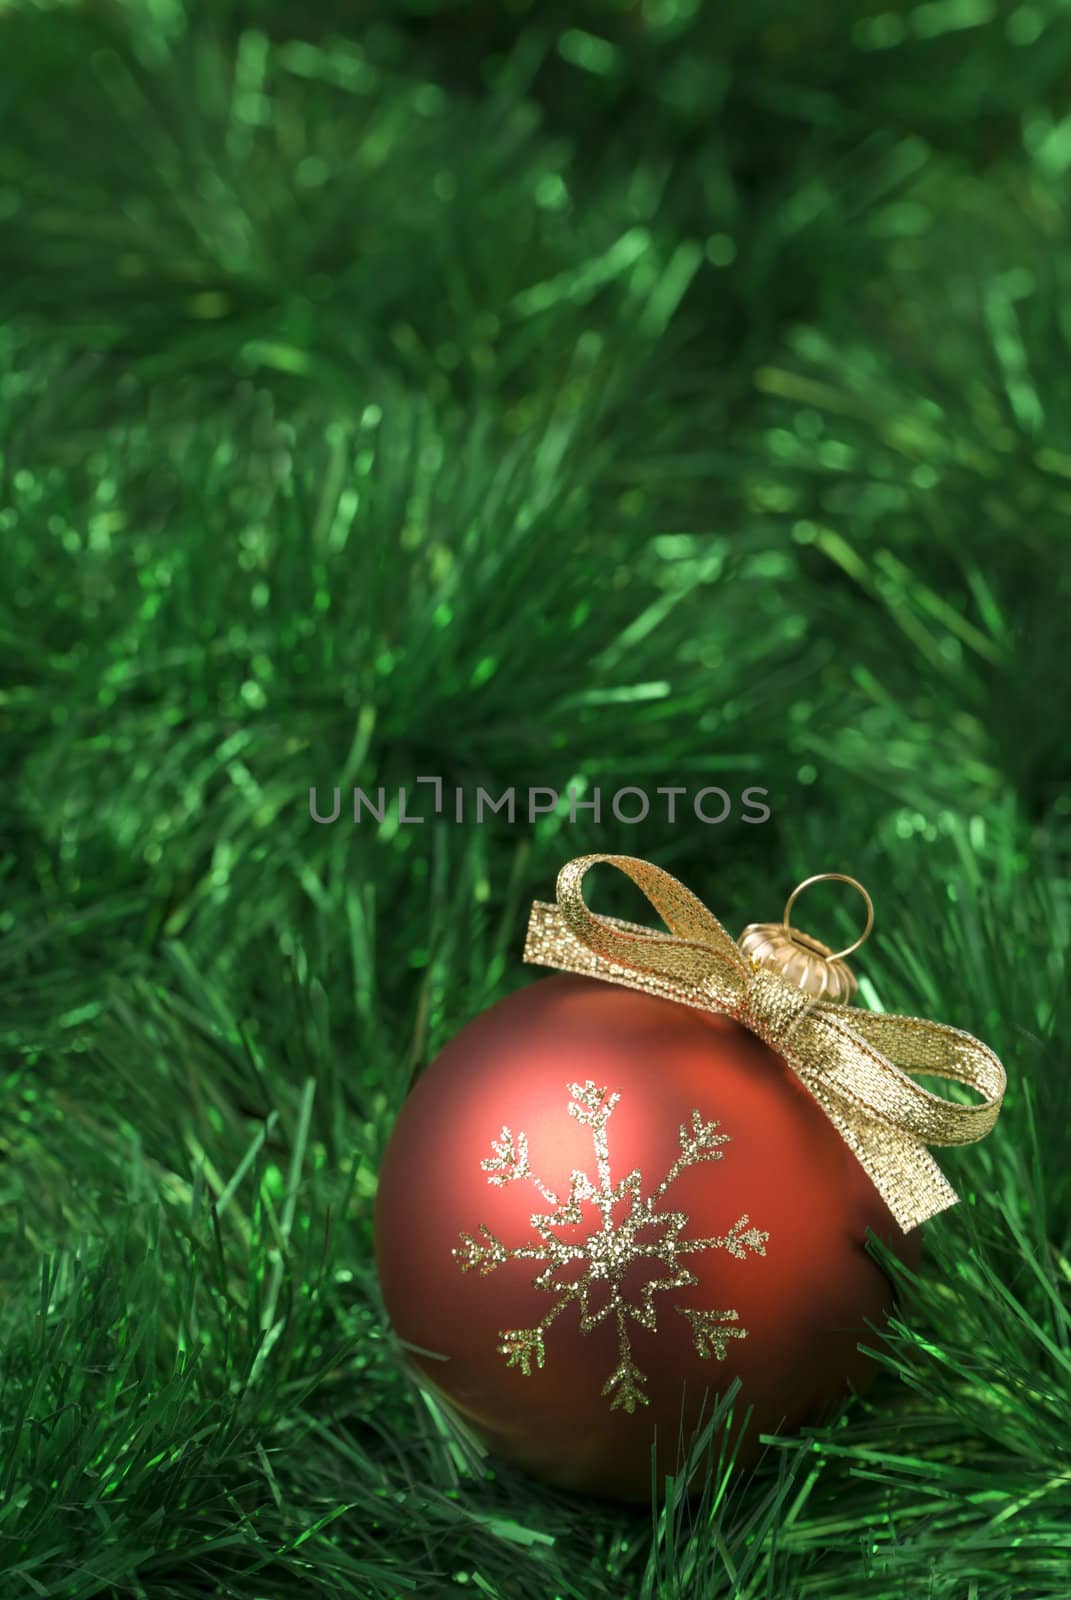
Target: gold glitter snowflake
{"points": [[608, 1251]]}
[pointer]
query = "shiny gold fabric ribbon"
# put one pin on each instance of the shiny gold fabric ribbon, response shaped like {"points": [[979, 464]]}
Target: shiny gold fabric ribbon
{"points": [[855, 1063]]}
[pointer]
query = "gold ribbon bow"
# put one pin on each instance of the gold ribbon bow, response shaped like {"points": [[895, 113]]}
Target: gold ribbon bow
{"points": [[855, 1063]]}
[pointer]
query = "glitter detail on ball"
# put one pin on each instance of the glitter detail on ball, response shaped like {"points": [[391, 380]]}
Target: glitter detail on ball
{"points": [[607, 1253]]}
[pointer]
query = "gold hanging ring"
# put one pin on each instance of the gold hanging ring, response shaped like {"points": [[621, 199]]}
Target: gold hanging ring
{"points": [[839, 877]]}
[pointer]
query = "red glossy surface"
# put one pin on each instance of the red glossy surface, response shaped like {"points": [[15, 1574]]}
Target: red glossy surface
{"points": [[805, 1304]]}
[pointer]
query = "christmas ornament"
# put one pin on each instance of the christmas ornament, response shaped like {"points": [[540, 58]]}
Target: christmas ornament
{"points": [[623, 1187]]}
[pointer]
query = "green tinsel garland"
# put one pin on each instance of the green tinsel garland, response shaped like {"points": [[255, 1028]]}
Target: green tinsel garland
{"points": [[527, 394]]}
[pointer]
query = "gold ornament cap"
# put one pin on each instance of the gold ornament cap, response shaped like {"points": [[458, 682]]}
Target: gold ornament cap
{"points": [[799, 958]]}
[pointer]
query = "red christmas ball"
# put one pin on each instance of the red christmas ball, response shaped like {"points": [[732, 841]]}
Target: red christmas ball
{"points": [[598, 1208]]}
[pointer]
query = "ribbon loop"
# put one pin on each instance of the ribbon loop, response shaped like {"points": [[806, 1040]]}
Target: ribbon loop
{"points": [[855, 1063], [696, 945]]}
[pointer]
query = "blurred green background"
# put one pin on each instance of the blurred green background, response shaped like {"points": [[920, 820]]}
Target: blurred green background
{"points": [[526, 394]]}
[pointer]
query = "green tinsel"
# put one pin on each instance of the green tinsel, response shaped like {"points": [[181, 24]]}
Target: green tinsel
{"points": [[597, 394]]}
